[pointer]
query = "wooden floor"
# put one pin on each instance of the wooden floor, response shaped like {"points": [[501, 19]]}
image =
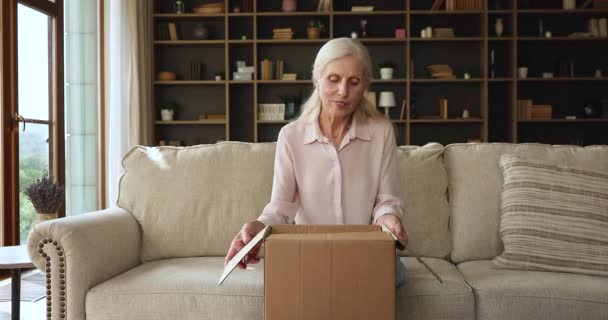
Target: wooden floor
{"points": [[29, 310]]}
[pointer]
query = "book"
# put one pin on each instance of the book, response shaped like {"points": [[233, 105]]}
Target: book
{"points": [[403, 107], [443, 108], [173, 31], [362, 8]]}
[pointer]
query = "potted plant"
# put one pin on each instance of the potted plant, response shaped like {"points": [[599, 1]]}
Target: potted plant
{"points": [[46, 195], [314, 29], [167, 111], [386, 70]]}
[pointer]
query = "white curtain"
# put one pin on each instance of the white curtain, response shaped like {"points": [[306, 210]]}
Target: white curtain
{"points": [[128, 83]]}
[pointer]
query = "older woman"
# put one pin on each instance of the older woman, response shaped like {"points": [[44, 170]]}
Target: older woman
{"points": [[336, 164]]}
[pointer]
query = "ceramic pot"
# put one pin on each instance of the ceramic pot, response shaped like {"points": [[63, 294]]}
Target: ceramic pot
{"points": [[289, 5], [313, 33], [166, 115], [386, 73], [499, 27], [201, 32]]}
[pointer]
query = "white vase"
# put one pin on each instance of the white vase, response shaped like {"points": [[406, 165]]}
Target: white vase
{"points": [[386, 73], [569, 4], [499, 27], [166, 115]]}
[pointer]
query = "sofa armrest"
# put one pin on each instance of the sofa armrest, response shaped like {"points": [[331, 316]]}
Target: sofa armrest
{"points": [[79, 252]]}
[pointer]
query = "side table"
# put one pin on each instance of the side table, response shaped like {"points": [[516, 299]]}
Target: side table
{"points": [[15, 258]]}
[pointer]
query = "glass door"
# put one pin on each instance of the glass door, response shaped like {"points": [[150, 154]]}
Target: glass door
{"points": [[34, 104]]}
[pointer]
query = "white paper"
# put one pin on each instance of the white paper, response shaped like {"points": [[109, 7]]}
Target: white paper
{"points": [[241, 254]]}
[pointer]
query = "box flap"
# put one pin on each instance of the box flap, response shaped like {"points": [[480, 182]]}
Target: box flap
{"points": [[244, 251], [398, 244], [354, 236], [293, 228]]}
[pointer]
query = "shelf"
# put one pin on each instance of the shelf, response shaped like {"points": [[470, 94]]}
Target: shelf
{"points": [[398, 121], [454, 39], [597, 120], [370, 13], [191, 82], [470, 120], [501, 11], [454, 12], [285, 81], [563, 39], [188, 15], [500, 79], [500, 38], [563, 79], [562, 11], [241, 14], [298, 13], [191, 122], [364, 40], [401, 80], [241, 81], [422, 80], [239, 41], [189, 42], [293, 41], [273, 121]]}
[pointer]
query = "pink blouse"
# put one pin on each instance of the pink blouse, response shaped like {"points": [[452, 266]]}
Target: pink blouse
{"points": [[315, 183]]}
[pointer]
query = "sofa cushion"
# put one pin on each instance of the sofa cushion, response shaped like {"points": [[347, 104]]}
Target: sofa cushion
{"points": [[519, 294], [424, 185], [186, 288], [182, 288], [423, 297], [192, 201], [554, 218], [475, 184]]}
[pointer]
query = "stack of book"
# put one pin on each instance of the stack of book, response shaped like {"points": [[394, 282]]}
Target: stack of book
{"points": [[441, 71], [451, 5], [209, 8], [197, 69], [524, 109], [598, 27], [282, 33], [272, 69], [271, 111], [542, 112], [289, 76], [443, 32]]}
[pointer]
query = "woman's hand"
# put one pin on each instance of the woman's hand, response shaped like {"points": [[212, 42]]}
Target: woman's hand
{"points": [[248, 231], [394, 224]]}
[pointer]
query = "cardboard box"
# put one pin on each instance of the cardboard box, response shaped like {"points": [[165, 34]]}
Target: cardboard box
{"points": [[326, 272]]}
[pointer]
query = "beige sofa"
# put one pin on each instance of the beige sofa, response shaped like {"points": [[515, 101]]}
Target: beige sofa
{"points": [[159, 255]]}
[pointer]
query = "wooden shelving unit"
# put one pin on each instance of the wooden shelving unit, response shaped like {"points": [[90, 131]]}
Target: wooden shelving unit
{"points": [[490, 97]]}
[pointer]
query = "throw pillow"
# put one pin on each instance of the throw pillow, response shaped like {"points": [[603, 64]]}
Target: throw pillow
{"points": [[553, 218]]}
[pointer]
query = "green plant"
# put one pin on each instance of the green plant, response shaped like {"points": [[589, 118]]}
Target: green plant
{"points": [[166, 106], [316, 24], [387, 65], [45, 194]]}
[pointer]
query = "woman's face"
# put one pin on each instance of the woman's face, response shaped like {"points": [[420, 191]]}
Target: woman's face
{"points": [[341, 86]]}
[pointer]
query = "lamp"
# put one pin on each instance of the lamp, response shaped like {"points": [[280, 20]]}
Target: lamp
{"points": [[387, 100]]}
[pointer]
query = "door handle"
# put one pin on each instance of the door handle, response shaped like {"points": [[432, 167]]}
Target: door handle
{"points": [[19, 118]]}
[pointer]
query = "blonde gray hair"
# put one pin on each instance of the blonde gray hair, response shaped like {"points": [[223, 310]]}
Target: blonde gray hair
{"points": [[336, 49]]}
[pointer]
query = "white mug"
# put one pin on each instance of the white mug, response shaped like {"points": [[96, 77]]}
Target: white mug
{"points": [[522, 72]]}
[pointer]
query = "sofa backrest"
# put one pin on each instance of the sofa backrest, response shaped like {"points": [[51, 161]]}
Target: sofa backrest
{"points": [[192, 201], [475, 184]]}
